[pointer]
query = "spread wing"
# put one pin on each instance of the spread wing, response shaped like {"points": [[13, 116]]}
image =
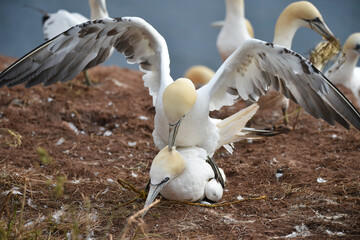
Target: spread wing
{"points": [[257, 65], [88, 44]]}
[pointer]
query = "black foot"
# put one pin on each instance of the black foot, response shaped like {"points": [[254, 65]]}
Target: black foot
{"points": [[216, 170]]}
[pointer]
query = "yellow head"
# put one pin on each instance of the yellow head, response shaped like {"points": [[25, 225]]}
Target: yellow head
{"points": [[301, 14], [166, 166], [199, 75], [178, 98], [352, 43], [302, 10]]}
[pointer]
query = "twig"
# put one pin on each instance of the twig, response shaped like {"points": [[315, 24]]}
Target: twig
{"points": [[132, 218], [22, 207]]}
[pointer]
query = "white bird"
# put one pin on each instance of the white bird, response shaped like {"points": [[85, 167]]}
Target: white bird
{"points": [[184, 175], [344, 70], [234, 31], [248, 73], [296, 15], [62, 20]]}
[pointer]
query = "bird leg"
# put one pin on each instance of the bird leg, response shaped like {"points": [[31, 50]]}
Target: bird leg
{"points": [[216, 170], [87, 78], [286, 117], [298, 111]]}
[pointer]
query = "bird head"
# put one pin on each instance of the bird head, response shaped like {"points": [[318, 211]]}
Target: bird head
{"points": [[304, 14], [353, 43], [199, 75], [166, 166], [307, 12], [178, 98]]}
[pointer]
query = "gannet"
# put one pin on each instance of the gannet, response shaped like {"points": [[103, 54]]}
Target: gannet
{"points": [[234, 31], [344, 70], [62, 20], [247, 73], [296, 15], [183, 174]]}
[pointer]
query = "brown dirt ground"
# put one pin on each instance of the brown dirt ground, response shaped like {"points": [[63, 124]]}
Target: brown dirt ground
{"points": [[87, 201]]}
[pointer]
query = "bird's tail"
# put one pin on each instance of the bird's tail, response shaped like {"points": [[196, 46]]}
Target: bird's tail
{"points": [[232, 129]]}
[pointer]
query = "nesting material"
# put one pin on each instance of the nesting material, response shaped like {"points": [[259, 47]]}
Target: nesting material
{"points": [[324, 52]]}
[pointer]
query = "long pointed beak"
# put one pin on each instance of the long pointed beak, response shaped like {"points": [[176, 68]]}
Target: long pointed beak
{"points": [[217, 24], [154, 191], [173, 130], [321, 28]]}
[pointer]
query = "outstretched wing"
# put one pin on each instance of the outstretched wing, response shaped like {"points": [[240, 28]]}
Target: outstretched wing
{"points": [[88, 44], [257, 65]]}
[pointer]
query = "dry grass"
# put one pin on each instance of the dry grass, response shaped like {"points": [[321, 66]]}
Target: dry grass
{"points": [[42, 206]]}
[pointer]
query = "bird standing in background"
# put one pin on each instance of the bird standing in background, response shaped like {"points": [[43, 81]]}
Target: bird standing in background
{"points": [[344, 70], [62, 20], [294, 16]]}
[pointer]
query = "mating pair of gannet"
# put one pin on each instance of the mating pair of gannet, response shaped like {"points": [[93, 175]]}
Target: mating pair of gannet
{"points": [[344, 70], [62, 20], [294, 16], [183, 174]]}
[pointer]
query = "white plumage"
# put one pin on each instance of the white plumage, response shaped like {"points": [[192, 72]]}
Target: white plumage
{"points": [[196, 182], [344, 71]]}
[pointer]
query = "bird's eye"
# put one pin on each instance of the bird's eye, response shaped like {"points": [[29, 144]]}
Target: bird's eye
{"points": [[357, 47], [317, 19]]}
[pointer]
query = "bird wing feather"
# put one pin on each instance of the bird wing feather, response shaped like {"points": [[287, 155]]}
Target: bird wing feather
{"points": [[256, 66], [88, 44]]}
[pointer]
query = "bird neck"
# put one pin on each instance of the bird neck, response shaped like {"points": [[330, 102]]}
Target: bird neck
{"points": [[341, 71], [285, 29], [235, 10], [98, 9], [352, 57]]}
